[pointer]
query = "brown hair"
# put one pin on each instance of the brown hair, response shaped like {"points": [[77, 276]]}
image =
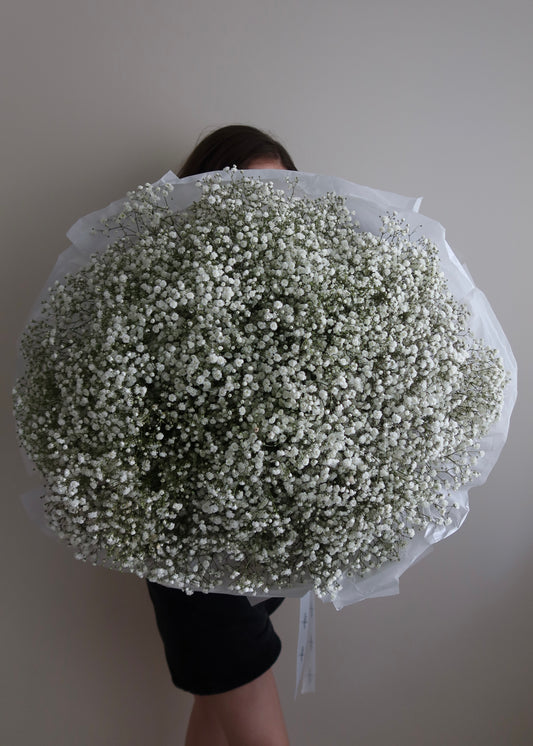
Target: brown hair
{"points": [[234, 145]]}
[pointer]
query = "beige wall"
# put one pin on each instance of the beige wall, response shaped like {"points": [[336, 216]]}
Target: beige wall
{"points": [[420, 97]]}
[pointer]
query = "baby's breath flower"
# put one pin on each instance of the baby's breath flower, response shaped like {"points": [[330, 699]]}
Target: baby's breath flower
{"points": [[252, 391]]}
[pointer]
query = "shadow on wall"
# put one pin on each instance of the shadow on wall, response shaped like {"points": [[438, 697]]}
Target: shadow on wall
{"points": [[472, 679]]}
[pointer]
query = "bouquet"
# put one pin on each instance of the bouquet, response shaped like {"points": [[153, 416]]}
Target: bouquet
{"points": [[260, 384]]}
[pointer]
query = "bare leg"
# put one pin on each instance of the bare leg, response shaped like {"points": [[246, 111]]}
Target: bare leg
{"points": [[250, 715], [204, 728]]}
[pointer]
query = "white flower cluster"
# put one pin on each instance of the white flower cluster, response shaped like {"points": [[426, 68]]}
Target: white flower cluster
{"points": [[252, 391]]}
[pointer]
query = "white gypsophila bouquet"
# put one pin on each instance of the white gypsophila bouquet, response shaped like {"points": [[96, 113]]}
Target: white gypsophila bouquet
{"points": [[252, 391]]}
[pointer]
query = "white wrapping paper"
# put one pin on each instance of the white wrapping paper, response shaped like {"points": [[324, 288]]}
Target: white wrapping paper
{"points": [[369, 204]]}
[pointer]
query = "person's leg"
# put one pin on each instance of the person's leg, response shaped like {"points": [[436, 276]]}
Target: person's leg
{"points": [[249, 715], [204, 729]]}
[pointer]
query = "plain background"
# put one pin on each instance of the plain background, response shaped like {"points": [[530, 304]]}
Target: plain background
{"points": [[419, 97]]}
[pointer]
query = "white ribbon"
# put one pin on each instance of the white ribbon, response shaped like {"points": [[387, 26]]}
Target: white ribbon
{"points": [[306, 657]]}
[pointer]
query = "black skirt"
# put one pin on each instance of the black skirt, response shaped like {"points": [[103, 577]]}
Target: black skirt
{"points": [[214, 642]]}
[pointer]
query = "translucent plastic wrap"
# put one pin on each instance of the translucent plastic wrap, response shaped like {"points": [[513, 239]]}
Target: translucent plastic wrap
{"points": [[368, 205]]}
